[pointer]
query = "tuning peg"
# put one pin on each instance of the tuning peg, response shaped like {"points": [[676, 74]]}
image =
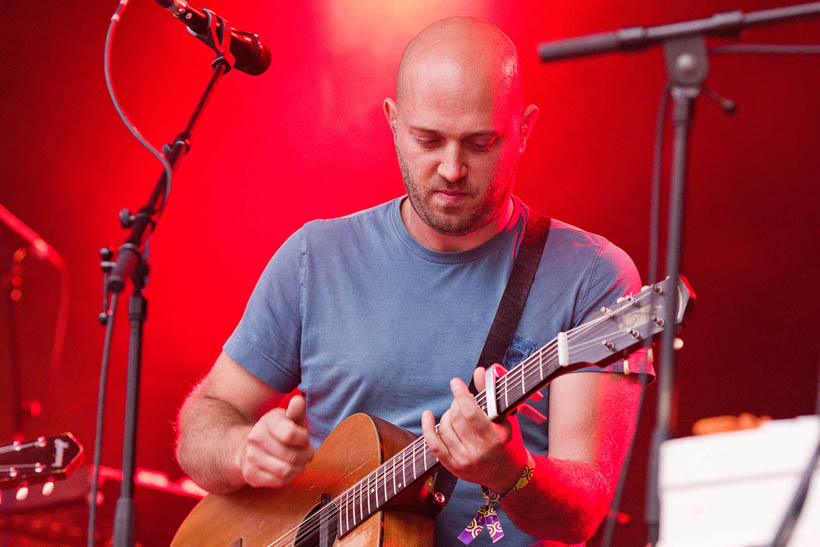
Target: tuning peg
{"points": [[677, 344], [22, 493], [48, 488]]}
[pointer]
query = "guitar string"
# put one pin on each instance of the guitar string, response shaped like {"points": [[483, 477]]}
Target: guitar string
{"points": [[348, 498], [346, 501], [12, 448], [528, 368]]}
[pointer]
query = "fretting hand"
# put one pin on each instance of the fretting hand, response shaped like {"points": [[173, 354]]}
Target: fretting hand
{"points": [[470, 445]]}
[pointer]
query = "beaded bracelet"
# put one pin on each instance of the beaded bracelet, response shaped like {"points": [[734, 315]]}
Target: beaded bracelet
{"points": [[487, 513]]}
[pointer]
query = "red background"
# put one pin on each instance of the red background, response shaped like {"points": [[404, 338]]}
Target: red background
{"points": [[307, 139]]}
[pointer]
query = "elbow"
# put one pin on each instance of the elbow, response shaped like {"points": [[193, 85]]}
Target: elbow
{"points": [[584, 519]]}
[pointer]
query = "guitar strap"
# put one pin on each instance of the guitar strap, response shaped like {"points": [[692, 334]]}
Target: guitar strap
{"points": [[507, 316]]}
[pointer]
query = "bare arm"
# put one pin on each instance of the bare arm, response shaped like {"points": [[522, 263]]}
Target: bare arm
{"points": [[592, 419], [225, 439], [591, 422]]}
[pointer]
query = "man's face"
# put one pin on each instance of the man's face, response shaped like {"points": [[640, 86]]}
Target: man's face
{"points": [[458, 144]]}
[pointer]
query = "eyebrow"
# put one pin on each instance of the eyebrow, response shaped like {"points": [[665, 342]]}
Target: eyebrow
{"points": [[487, 133]]}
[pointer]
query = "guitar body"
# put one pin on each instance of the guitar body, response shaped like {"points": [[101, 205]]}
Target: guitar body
{"points": [[264, 516]]}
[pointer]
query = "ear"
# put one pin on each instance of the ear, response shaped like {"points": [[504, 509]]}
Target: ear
{"points": [[390, 113], [527, 122]]}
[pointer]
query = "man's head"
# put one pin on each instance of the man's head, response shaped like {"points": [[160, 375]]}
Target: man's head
{"points": [[459, 123]]}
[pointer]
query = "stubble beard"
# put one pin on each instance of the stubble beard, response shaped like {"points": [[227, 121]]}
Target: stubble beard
{"points": [[452, 224]]}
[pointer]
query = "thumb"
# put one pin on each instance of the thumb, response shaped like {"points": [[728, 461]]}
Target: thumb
{"points": [[480, 376], [296, 410]]}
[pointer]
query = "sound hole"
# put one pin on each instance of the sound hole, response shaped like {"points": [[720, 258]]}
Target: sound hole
{"points": [[320, 527]]}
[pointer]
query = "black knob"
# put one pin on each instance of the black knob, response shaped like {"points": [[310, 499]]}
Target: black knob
{"points": [[126, 218]]}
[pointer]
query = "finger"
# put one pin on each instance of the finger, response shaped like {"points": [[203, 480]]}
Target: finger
{"points": [[260, 440], [466, 414], [262, 469], [283, 429], [433, 439], [479, 378], [297, 410]]}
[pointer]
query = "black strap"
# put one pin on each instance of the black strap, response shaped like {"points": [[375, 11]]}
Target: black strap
{"points": [[515, 294], [507, 316]]}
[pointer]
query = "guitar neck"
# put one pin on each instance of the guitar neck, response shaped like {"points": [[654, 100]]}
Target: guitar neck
{"points": [[392, 477], [609, 333]]}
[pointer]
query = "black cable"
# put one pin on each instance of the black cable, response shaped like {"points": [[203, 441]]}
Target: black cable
{"points": [[765, 49], [92, 502], [109, 38], [654, 223]]}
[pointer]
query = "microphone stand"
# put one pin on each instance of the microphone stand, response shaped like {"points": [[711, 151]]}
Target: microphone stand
{"points": [[132, 264], [687, 67]]}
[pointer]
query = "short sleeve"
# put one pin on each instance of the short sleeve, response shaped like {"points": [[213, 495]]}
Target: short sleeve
{"points": [[612, 275], [267, 340]]}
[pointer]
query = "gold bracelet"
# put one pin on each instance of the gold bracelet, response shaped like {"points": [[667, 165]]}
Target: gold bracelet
{"points": [[526, 475]]}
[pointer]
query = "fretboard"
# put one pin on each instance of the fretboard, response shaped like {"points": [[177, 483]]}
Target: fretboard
{"points": [[383, 484]]}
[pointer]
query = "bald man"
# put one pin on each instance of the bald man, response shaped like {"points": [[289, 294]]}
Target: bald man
{"points": [[386, 311]]}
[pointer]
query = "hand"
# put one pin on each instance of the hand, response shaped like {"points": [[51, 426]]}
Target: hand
{"points": [[277, 447], [470, 445]]}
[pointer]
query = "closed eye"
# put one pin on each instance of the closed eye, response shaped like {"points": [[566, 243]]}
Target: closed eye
{"points": [[427, 143]]}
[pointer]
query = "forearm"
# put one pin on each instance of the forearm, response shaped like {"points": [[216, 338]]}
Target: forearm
{"points": [[565, 501], [210, 437]]}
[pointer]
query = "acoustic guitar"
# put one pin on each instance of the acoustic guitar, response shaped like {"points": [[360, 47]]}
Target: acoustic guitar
{"points": [[370, 482]]}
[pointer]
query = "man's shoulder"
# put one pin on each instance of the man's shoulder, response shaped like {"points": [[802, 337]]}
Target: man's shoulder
{"points": [[576, 237], [568, 244], [372, 217]]}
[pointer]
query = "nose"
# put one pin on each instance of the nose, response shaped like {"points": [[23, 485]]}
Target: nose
{"points": [[451, 167]]}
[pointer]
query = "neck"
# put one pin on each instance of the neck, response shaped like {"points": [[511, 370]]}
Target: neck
{"points": [[435, 241]]}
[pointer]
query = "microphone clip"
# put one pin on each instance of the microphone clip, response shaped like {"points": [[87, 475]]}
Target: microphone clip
{"points": [[219, 40]]}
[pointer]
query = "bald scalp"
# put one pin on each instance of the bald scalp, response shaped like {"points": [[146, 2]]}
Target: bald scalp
{"points": [[467, 45]]}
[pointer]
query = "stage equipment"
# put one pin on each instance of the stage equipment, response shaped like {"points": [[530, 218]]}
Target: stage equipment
{"points": [[687, 67], [132, 263], [39, 248], [732, 489], [251, 56], [61, 518]]}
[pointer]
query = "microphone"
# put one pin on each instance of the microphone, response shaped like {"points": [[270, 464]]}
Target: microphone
{"points": [[251, 55]]}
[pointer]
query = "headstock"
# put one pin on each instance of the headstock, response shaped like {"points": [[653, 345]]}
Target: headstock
{"points": [[38, 461], [629, 321]]}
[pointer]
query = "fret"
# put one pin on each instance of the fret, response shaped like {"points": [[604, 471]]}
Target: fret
{"points": [[384, 473], [361, 502], [415, 475], [424, 457], [367, 487], [376, 486], [342, 530], [541, 365], [404, 467], [523, 385], [350, 509], [347, 514], [506, 400], [394, 479]]}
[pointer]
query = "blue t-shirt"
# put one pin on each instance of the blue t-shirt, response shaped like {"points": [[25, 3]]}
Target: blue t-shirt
{"points": [[362, 318]]}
